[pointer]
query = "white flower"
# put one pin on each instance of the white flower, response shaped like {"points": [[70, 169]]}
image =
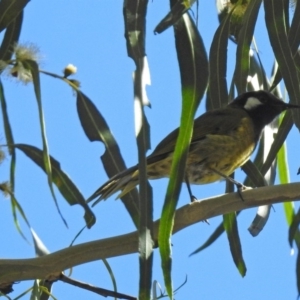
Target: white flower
{"points": [[69, 70], [27, 52], [21, 73]]}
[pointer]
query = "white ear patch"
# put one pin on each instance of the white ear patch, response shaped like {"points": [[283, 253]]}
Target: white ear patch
{"points": [[251, 103]]}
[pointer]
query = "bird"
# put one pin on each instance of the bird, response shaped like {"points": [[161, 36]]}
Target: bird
{"points": [[223, 139]]}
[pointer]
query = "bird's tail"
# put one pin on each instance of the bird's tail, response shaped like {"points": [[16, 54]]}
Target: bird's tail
{"points": [[124, 182]]}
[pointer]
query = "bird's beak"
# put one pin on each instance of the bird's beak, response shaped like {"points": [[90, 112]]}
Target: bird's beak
{"points": [[288, 105]]}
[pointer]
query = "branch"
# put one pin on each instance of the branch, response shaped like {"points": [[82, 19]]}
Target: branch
{"points": [[43, 267]]}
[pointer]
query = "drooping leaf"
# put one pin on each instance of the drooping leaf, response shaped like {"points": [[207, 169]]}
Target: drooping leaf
{"points": [[9, 11], [11, 37], [212, 238], [266, 163], [282, 165], [96, 129], [217, 87], [192, 57], [277, 30], [253, 174], [292, 218], [294, 228], [230, 225], [111, 274], [259, 179], [243, 47], [293, 38], [294, 31], [260, 220], [33, 67], [298, 272], [284, 177], [15, 205], [7, 128], [281, 135], [134, 13], [257, 72], [176, 12], [62, 181], [194, 73]]}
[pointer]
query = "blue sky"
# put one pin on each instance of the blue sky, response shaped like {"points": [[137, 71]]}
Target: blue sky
{"points": [[90, 35]]}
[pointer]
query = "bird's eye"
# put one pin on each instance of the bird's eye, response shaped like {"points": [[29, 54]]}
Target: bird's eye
{"points": [[263, 99]]}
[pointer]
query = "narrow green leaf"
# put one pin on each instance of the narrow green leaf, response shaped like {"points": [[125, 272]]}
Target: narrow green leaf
{"points": [[96, 129], [298, 272], [145, 193], [243, 47], [294, 32], [193, 70], [218, 94], [6, 123], [282, 165], [294, 233], [11, 37], [145, 190], [16, 207], [33, 67], [212, 238], [111, 274], [255, 178], [10, 141], [276, 26], [269, 147], [293, 38], [289, 212], [176, 12], [281, 135], [230, 225], [258, 160], [134, 13], [268, 168], [64, 184], [192, 56], [9, 10], [292, 218], [135, 18], [256, 70], [8, 136]]}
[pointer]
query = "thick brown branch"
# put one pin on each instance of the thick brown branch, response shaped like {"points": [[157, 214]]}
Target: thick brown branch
{"points": [[43, 267]]}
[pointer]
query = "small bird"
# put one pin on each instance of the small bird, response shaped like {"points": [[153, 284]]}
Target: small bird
{"points": [[223, 140]]}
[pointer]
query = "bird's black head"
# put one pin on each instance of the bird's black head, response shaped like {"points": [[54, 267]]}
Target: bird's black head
{"points": [[262, 106]]}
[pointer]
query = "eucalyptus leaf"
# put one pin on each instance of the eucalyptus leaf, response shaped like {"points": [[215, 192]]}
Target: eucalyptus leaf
{"points": [[64, 184]]}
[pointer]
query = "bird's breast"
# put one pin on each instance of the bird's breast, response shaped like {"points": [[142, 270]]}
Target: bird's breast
{"points": [[221, 152]]}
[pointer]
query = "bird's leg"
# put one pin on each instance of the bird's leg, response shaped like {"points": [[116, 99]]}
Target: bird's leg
{"points": [[192, 197], [240, 187]]}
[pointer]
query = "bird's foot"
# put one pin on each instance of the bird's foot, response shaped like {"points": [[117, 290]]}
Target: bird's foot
{"points": [[241, 188], [193, 198]]}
